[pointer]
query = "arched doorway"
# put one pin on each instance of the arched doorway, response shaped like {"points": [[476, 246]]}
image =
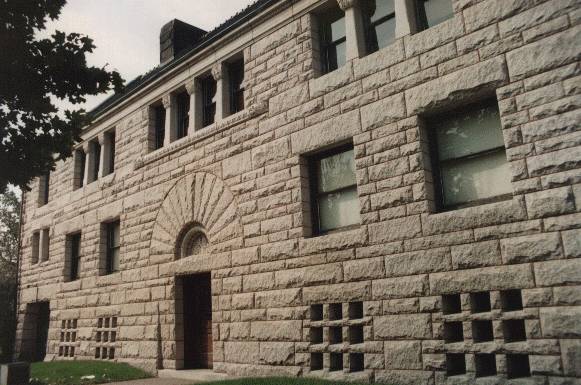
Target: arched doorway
{"points": [[195, 305]]}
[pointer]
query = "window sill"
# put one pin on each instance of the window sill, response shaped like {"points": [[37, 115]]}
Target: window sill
{"points": [[339, 239], [201, 134]]}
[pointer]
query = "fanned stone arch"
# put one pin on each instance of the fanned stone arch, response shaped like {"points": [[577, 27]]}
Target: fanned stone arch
{"points": [[202, 200]]}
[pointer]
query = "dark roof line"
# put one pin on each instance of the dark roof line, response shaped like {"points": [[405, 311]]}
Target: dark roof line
{"points": [[133, 86]]}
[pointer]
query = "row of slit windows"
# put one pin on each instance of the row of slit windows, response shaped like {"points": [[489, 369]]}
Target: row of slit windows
{"points": [[197, 107], [379, 23], [109, 251]]}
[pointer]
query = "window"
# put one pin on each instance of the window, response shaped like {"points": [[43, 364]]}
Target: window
{"points": [[236, 77], [44, 244], [35, 247], [109, 164], [159, 126], [208, 87], [433, 12], [73, 256], [380, 25], [335, 203], [468, 157], [333, 40], [113, 247], [79, 171], [183, 114], [95, 159], [43, 189]]}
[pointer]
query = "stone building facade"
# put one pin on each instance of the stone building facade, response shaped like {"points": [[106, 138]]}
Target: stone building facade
{"points": [[385, 191]]}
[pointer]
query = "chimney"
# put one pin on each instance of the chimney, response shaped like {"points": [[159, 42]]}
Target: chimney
{"points": [[175, 38]]}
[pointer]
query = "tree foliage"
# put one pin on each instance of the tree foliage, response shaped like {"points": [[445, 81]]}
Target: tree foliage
{"points": [[33, 73], [9, 226]]}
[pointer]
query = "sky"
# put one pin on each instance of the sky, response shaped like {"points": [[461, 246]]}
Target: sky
{"points": [[126, 32]]}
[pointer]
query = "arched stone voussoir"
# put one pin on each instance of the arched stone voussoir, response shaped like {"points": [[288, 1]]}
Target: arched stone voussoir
{"points": [[201, 198]]}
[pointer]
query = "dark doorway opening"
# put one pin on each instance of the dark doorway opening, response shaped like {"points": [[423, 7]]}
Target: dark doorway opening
{"points": [[35, 332], [197, 321]]}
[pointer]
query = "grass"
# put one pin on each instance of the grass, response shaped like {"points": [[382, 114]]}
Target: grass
{"points": [[82, 373], [279, 381]]}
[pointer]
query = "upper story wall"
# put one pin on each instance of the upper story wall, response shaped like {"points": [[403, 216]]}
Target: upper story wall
{"points": [[488, 47]]}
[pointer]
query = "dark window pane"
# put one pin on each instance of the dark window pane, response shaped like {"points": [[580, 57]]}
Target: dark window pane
{"points": [[236, 76], [96, 160], [208, 104], [433, 12], [75, 253], [333, 40], [183, 114], [159, 126], [111, 152], [113, 246], [82, 161], [46, 188]]}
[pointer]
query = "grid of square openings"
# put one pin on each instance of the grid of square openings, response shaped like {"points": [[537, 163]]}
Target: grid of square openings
{"points": [[68, 338], [106, 338], [340, 327], [480, 322]]}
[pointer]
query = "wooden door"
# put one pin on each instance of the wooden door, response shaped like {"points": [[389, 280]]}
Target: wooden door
{"points": [[198, 346]]}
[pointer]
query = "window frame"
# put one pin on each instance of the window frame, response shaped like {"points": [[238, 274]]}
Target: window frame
{"points": [[436, 162], [325, 42], [96, 159], [111, 137], [44, 189], [370, 28], [208, 105], [109, 247], [182, 103], [236, 67], [159, 117], [422, 17], [74, 260], [315, 195]]}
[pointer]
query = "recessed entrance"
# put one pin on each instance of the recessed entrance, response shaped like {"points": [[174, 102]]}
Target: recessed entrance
{"points": [[195, 320], [35, 332]]}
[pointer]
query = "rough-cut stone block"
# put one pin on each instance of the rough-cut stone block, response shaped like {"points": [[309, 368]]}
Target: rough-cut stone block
{"points": [[342, 292], [545, 203], [383, 112], [289, 99], [278, 298], [241, 352], [531, 248], [561, 322], [270, 152], [403, 355], [379, 60], [331, 81], [276, 38], [237, 165], [312, 275], [431, 38], [555, 161], [489, 278], [404, 377], [395, 229], [276, 330], [551, 52], [572, 243], [332, 131], [461, 85], [476, 255], [337, 241], [403, 326], [553, 273], [277, 353], [413, 286], [418, 262], [571, 356], [368, 268], [488, 12]]}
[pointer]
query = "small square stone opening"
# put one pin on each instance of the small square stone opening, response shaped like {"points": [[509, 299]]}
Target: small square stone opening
{"points": [[335, 335], [514, 330], [336, 362], [485, 365], [455, 364], [482, 331], [316, 361], [453, 332], [480, 302], [335, 311], [517, 366], [355, 310], [316, 312], [316, 335], [511, 300], [451, 304], [356, 362], [356, 334]]}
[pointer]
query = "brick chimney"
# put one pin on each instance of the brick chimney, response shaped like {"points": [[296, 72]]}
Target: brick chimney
{"points": [[176, 37]]}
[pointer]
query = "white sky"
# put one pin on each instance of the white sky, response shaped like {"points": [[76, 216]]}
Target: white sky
{"points": [[126, 32]]}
